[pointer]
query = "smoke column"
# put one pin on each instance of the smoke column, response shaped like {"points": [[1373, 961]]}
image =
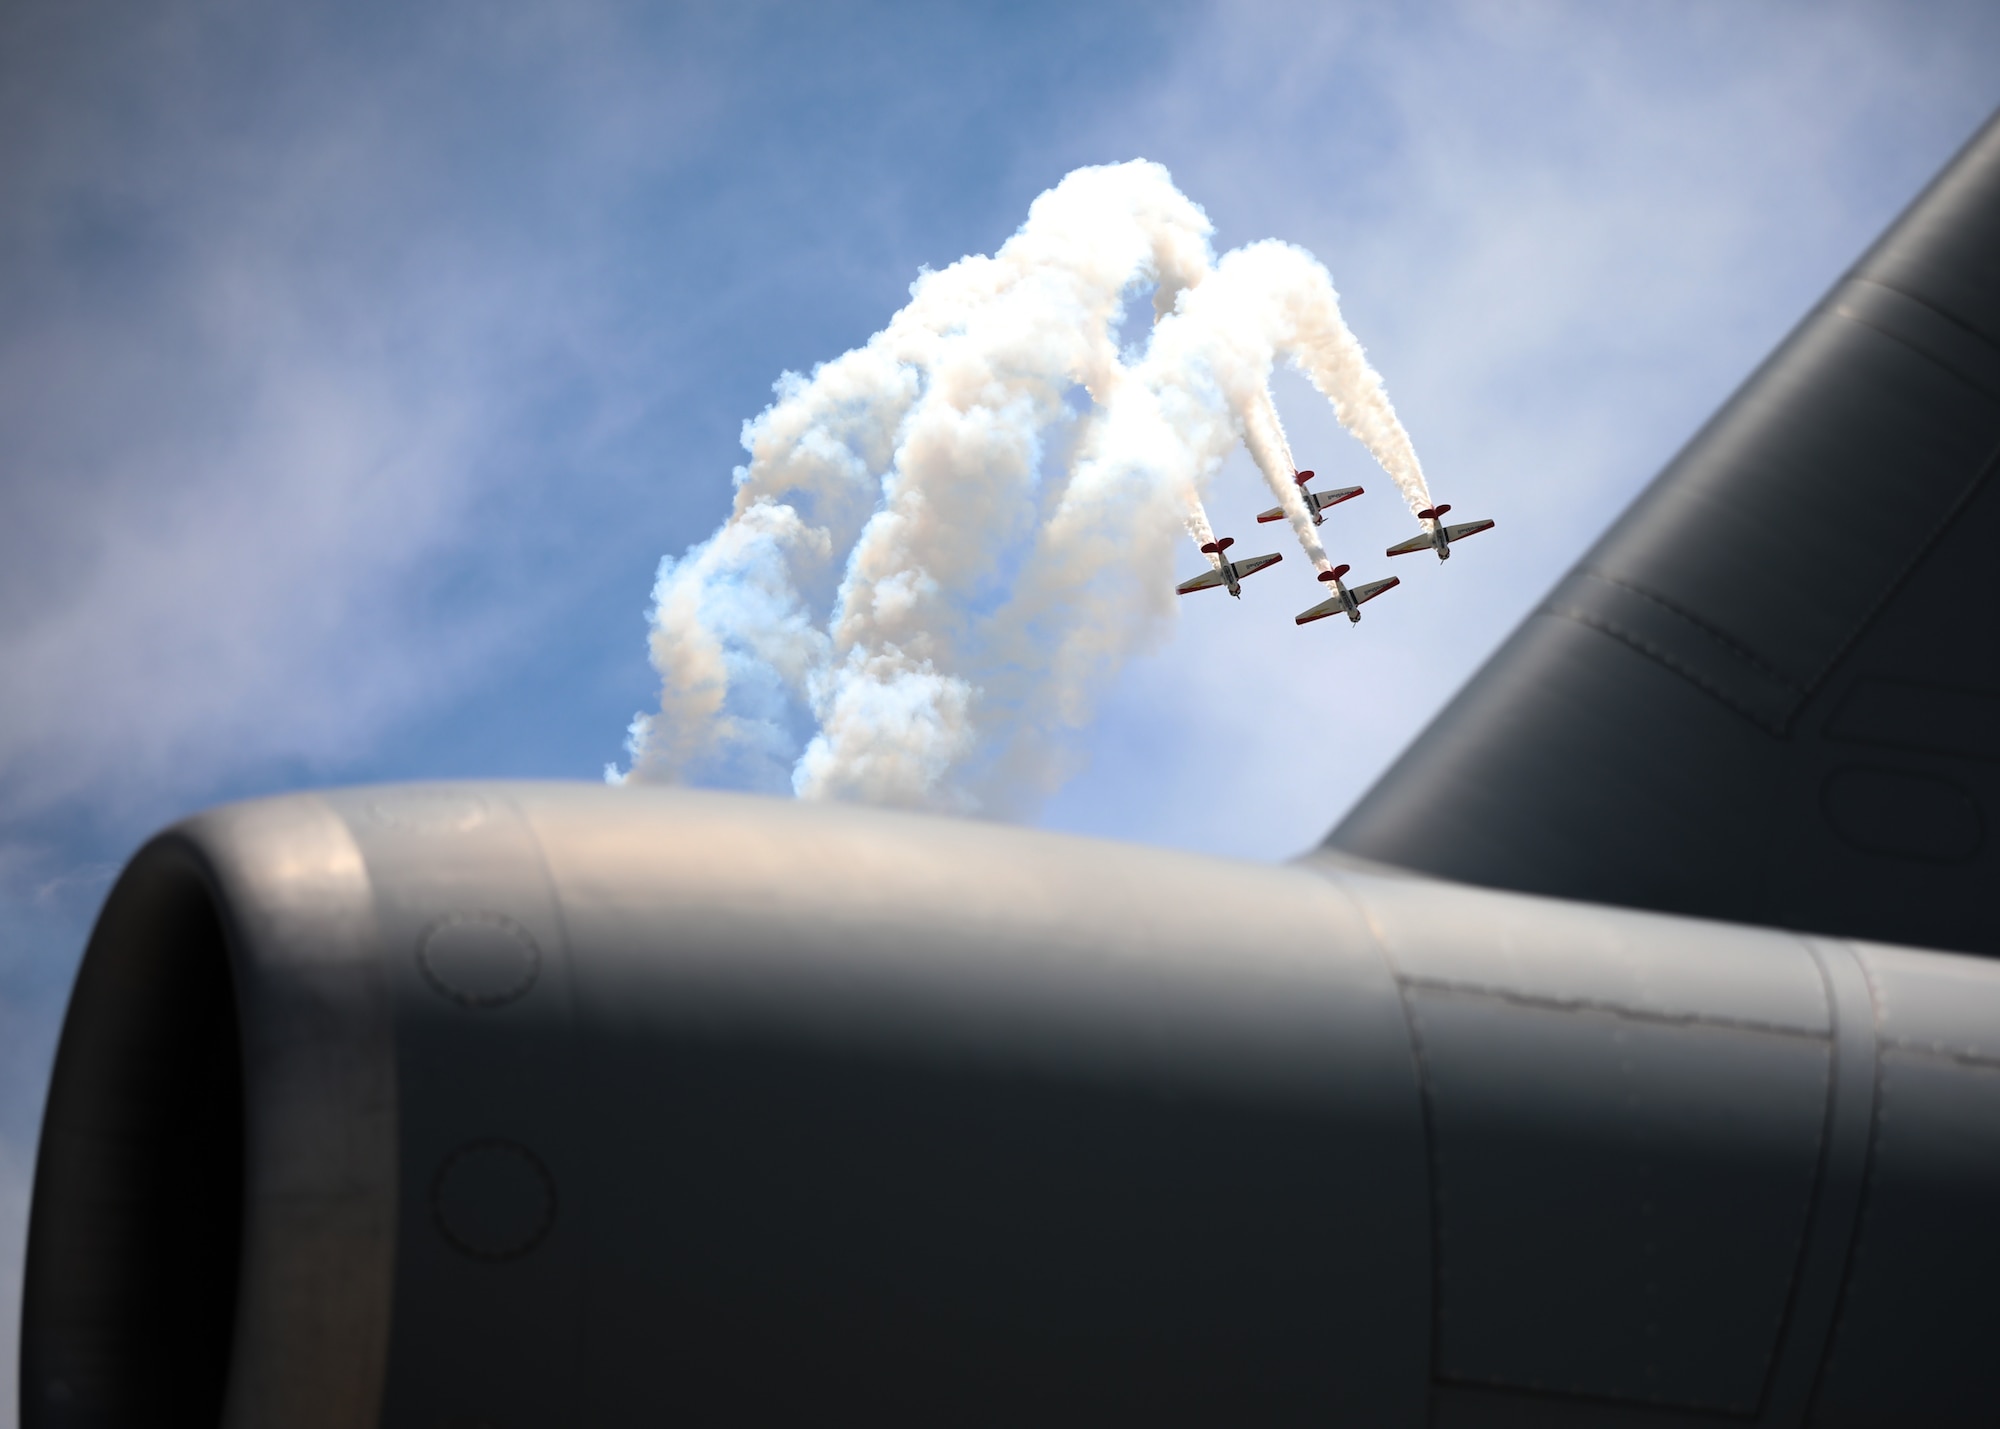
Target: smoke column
{"points": [[946, 541]]}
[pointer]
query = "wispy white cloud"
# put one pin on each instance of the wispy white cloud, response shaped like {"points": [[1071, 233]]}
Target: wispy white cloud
{"points": [[269, 347]]}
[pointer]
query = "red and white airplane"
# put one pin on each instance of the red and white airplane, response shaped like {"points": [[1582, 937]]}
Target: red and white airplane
{"points": [[1229, 573], [1440, 536], [1316, 501], [1344, 600]]}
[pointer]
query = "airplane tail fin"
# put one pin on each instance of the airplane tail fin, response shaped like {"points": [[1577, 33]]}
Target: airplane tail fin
{"points": [[1704, 721]]}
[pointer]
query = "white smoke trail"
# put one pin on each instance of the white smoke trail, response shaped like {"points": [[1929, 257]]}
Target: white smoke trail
{"points": [[1202, 533], [1309, 330], [1264, 436], [916, 598]]}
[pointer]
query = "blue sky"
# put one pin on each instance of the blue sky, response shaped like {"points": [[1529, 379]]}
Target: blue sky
{"points": [[358, 363]]}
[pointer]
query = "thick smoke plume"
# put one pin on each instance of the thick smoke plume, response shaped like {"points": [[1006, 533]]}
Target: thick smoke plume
{"points": [[946, 541]]}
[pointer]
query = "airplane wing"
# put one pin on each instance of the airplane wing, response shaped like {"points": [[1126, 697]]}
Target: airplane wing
{"points": [[1207, 580], [1372, 589], [1336, 496], [1276, 513], [1330, 606], [1255, 564], [1415, 543], [1470, 528]]}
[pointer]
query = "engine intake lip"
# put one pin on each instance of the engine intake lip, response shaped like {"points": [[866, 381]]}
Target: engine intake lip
{"points": [[213, 1230], [134, 1250]]}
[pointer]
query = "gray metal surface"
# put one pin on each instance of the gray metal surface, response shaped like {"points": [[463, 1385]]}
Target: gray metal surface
{"points": [[1771, 692], [1623, 1113], [581, 1105], [319, 1229], [1926, 1235]]}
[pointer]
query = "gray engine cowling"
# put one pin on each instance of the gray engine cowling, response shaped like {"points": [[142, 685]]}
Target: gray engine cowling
{"points": [[523, 1105]]}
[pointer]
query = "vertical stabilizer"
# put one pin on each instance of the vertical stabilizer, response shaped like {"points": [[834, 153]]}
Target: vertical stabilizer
{"points": [[1771, 692]]}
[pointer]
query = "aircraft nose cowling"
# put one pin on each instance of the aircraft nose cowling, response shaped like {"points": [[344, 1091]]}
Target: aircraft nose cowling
{"points": [[543, 1104]]}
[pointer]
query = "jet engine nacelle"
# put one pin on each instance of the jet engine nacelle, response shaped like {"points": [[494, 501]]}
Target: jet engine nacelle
{"points": [[541, 1105]]}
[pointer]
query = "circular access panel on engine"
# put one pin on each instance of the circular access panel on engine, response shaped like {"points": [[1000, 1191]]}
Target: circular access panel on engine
{"points": [[479, 959], [494, 1200]]}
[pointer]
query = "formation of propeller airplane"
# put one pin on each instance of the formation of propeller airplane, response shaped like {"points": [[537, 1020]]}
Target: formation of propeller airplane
{"points": [[1345, 600]]}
